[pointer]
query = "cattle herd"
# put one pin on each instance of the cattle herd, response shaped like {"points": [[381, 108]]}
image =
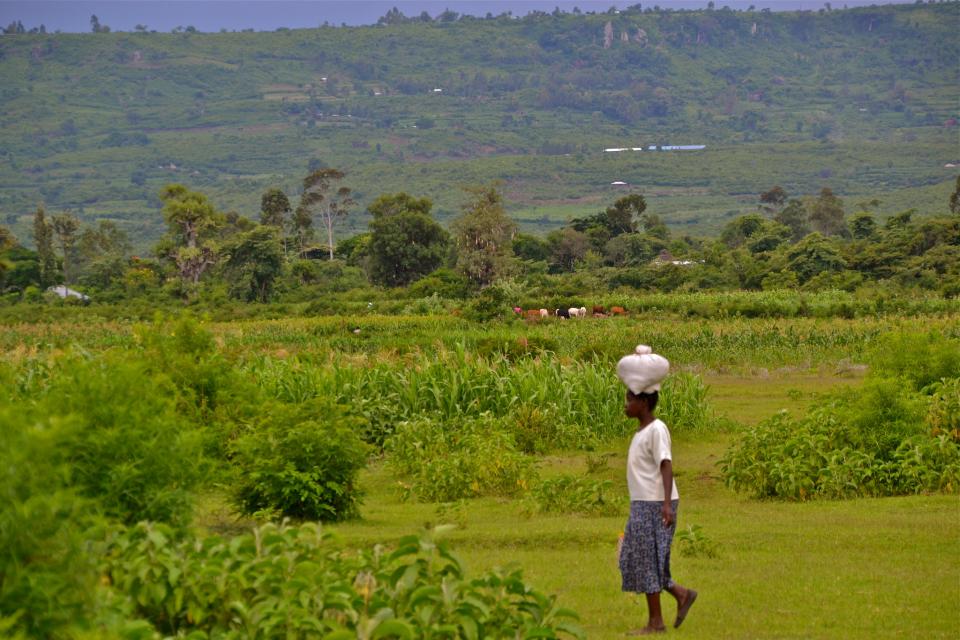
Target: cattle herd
{"points": [[572, 312]]}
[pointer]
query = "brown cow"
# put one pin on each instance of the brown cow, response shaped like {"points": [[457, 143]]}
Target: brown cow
{"points": [[532, 314], [617, 311], [598, 309]]}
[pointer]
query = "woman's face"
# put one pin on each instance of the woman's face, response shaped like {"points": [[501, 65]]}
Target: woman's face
{"points": [[633, 406]]}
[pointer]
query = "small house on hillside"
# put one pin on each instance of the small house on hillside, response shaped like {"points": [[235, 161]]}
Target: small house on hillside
{"points": [[65, 292], [665, 257]]}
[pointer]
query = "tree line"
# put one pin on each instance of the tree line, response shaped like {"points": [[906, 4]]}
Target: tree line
{"points": [[790, 242]]}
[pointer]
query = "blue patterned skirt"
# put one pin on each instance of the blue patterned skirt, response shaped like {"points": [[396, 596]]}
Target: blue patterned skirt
{"points": [[645, 554]]}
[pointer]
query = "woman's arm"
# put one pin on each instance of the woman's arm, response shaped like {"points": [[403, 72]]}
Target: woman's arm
{"points": [[666, 512]]}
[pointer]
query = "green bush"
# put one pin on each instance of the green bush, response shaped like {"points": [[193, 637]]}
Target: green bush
{"points": [[852, 445], [490, 304], [428, 305], [569, 493], [920, 358], [129, 449], [295, 582], [540, 429], [881, 415], [300, 461], [460, 458], [47, 576], [943, 416], [185, 350], [692, 542]]}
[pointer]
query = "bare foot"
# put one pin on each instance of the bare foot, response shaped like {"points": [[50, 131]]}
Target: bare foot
{"points": [[647, 630]]}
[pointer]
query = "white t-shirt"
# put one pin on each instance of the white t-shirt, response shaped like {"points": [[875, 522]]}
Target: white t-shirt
{"points": [[650, 446]]}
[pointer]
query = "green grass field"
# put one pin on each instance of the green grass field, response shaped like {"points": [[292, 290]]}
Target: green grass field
{"points": [[867, 568]]}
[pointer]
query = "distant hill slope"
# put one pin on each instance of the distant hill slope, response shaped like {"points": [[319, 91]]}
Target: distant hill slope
{"points": [[862, 100]]}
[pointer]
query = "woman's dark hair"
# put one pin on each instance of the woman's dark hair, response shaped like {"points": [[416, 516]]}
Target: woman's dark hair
{"points": [[651, 398]]}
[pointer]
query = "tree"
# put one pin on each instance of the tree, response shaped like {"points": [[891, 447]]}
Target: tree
{"points": [[794, 217], [192, 221], [619, 218], [274, 209], [567, 247], [813, 255], [740, 229], [771, 236], [43, 239], [254, 260], [622, 217], [483, 235], [955, 199], [65, 226], [405, 242], [653, 225], [632, 249], [101, 254], [320, 195], [96, 27], [7, 241], [772, 201], [530, 247], [863, 226], [827, 215]]}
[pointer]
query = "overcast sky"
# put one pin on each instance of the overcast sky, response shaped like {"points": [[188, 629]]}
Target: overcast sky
{"points": [[267, 15]]}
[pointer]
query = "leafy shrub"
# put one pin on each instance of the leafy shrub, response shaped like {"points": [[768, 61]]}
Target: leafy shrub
{"points": [[459, 459], [210, 390], [694, 543], [920, 358], [491, 303], [129, 448], [569, 493], [428, 305], [539, 430], [943, 416], [294, 582], [301, 461], [837, 451], [185, 350], [927, 464], [881, 415], [46, 575]]}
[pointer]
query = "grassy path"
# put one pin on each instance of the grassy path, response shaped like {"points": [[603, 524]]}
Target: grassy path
{"points": [[869, 568], [872, 568]]}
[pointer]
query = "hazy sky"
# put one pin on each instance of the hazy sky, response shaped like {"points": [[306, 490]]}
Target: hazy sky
{"points": [[214, 15]]}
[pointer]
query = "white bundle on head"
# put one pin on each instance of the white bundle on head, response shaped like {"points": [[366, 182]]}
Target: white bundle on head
{"points": [[643, 371]]}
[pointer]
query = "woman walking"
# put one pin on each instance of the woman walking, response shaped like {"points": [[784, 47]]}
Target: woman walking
{"points": [[645, 553]]}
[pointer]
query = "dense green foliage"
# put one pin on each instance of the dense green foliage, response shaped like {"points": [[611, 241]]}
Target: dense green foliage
{"points": [[571, 494], [888, 438], [132, 422], [860, 100], [282, 582], [459, 459], [209, 258], [300, 461]]}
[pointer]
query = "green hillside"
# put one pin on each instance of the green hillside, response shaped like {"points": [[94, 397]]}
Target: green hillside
{"points": [[864, 101]]}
